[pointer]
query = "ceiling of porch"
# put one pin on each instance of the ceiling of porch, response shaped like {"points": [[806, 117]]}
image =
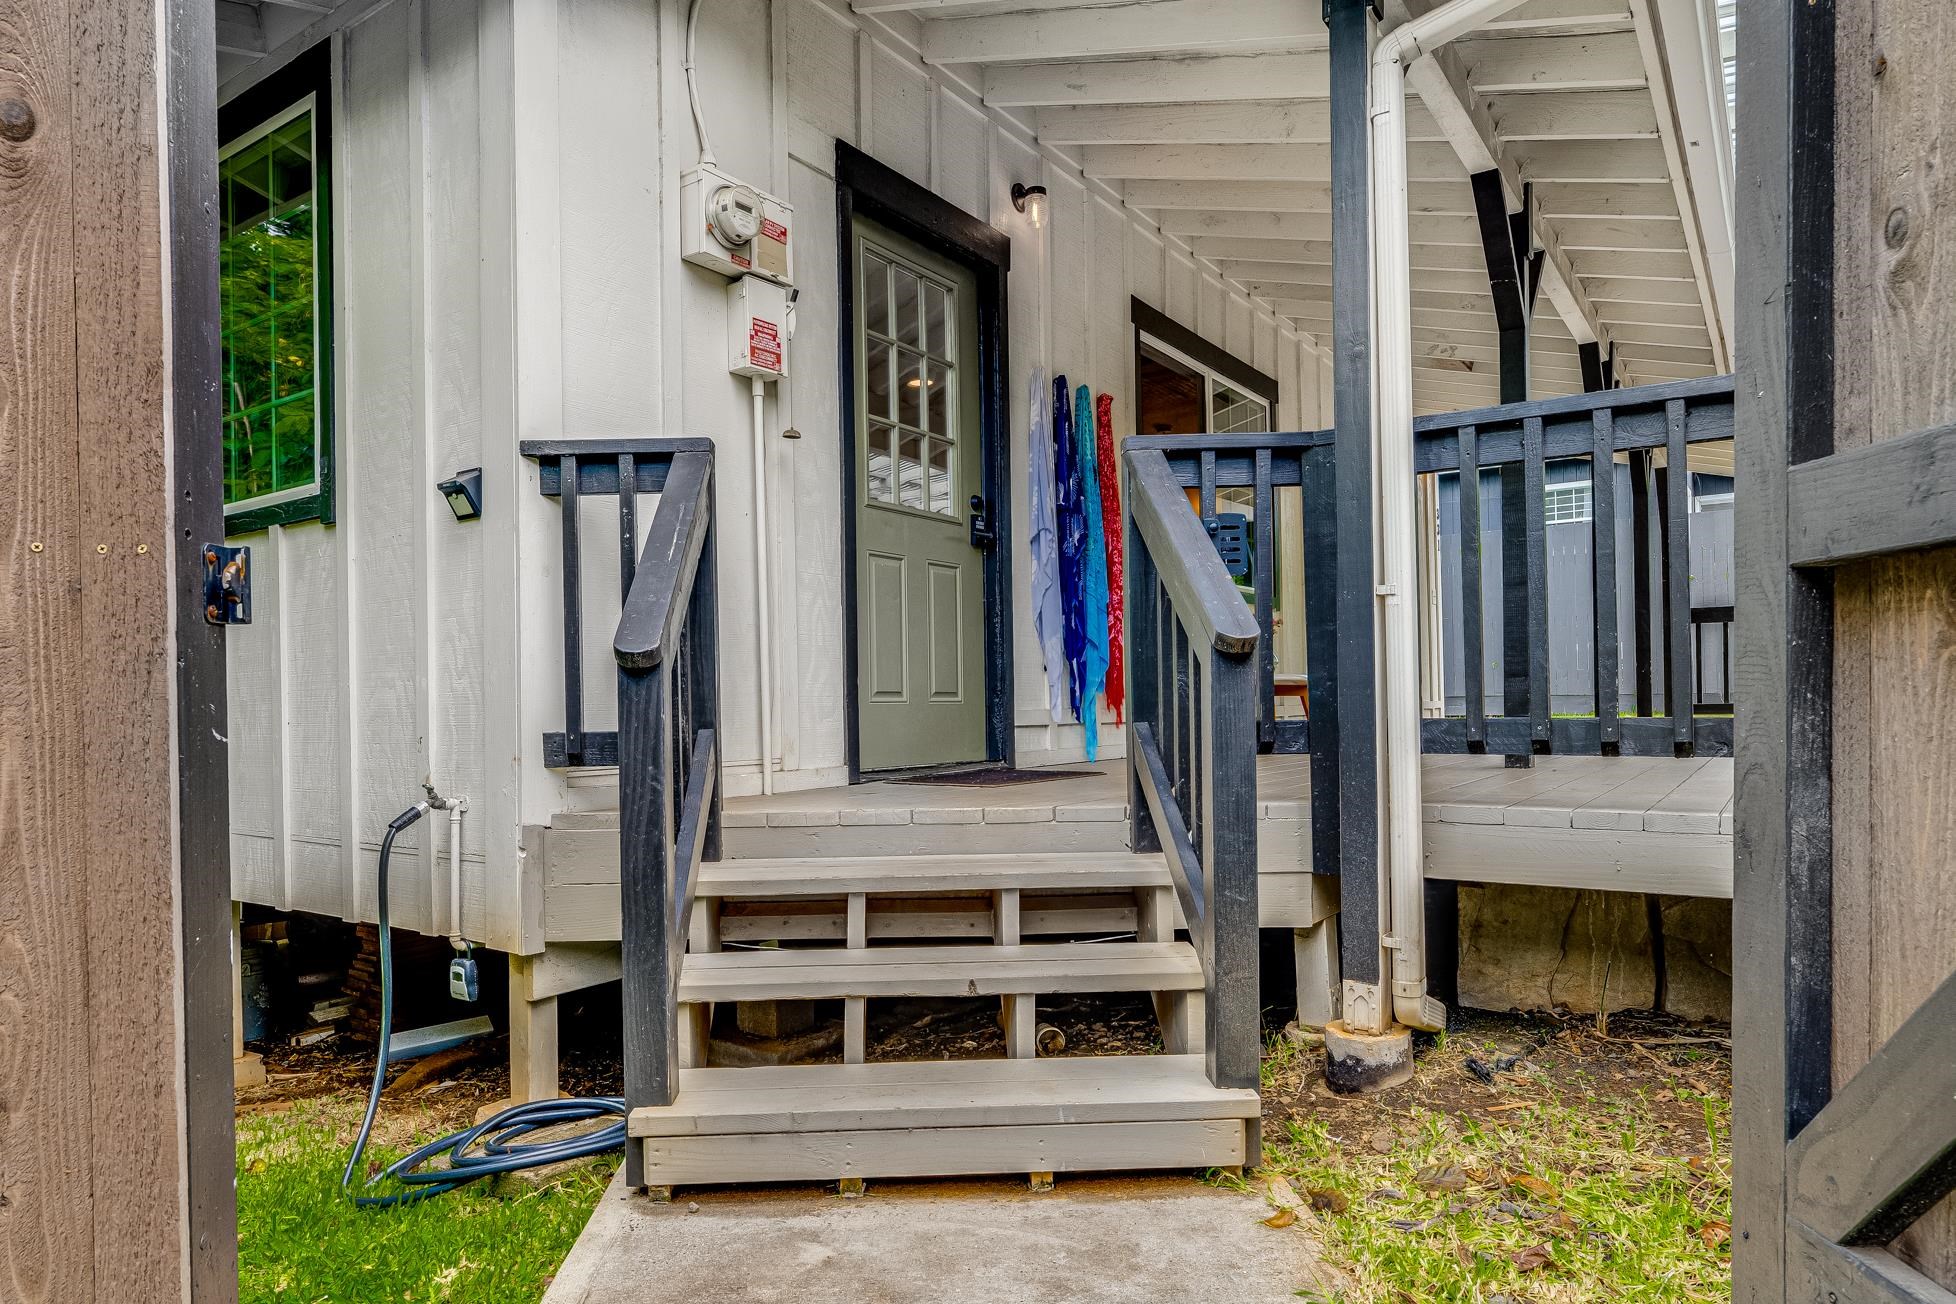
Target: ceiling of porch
{"points": [[1212, 117]]}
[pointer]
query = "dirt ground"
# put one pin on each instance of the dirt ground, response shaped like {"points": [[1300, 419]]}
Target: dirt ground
{"points": [[1481, 1069]]}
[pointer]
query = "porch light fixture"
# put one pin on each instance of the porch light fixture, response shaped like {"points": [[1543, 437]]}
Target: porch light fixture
{"points": [[1030, 200], [464, 493]]}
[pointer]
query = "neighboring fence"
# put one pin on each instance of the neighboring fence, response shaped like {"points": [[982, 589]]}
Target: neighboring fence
{"points": [[1633, 422], [1572, 627], [1193, 657], [666, 746]]}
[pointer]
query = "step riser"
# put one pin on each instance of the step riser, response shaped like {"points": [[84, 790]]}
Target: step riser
{"points": [[946, 1152]]}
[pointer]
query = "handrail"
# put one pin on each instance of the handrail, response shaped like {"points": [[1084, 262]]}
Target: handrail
{"points": [[1192, 646], [655, 602], [667, 746], [1186, 559]]}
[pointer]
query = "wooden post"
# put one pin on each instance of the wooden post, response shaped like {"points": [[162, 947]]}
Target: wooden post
{"points": [[1361, 897], [114, 857]]}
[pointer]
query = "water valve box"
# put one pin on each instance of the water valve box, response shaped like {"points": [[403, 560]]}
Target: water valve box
{"points": [[757, 328], [733, 228]]}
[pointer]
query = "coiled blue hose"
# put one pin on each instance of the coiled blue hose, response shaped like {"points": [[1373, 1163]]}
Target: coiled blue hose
{"points": [[501, 1150]]}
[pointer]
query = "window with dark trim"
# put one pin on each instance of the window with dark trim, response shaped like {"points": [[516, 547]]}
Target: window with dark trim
{"points": [[275, 298]]}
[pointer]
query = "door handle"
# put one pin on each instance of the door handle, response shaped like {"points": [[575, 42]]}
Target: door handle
{"points": [[982, 534]]}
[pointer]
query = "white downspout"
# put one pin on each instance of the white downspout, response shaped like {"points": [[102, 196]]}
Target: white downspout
{"points": [[1398, 587], [765, 598]]}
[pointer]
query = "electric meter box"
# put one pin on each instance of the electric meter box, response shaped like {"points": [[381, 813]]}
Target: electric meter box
{"points": [[757, 328], [734, 229]]}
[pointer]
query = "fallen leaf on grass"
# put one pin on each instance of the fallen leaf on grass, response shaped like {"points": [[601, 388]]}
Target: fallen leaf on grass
{"points": [[1282, 1218], [1534, 1257], [1512, 1104], [1535, 1186], [1715, 1233], [1441, 1177], [1325, 1200], [1383, 1141]]}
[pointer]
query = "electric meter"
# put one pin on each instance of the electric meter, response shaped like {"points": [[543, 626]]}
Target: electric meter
{"points": [[733, 214], [730, 227]]}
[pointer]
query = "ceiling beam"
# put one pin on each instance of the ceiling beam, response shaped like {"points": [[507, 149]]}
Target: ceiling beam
{"points": [[1248, 198], [1596, 115], [1632, 203], [1248, 122], [1164, 25], [1554, 63], [1441, 81], [1605, 289], [1436, 230], [1591, 162], [1292, 274], [240, 30], [1610, 233], [1454, 258], [1158, 81], [1425, 161], [1561, 18]]}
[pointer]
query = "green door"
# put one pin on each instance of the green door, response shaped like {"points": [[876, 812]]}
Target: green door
{"points": [[920, 594]]}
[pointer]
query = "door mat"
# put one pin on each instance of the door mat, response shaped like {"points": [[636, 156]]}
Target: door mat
{"points": [[992, 776]]}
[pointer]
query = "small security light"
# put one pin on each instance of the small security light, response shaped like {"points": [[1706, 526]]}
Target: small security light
{"points": [[1030, 200], [464, 493]]}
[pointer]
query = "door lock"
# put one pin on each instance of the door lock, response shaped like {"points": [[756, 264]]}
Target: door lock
{"points": [[982, 534]]}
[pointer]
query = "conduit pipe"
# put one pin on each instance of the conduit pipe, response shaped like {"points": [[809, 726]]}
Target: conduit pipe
{"points": [[765, 597], [1398, 587]]}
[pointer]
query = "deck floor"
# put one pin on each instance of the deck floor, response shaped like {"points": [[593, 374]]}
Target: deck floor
{"points": [[1622, 823]]}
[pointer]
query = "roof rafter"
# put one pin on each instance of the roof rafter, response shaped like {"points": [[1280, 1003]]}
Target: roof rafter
{"points": [[1209, 78], [1440, 80]]}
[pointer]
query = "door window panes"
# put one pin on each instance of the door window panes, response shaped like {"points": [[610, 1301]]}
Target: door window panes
{"points": [[906, 331]]}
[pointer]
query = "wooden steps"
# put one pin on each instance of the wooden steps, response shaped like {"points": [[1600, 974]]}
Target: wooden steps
{"points": [[947, 971], [842, 875], [944, 1118]]}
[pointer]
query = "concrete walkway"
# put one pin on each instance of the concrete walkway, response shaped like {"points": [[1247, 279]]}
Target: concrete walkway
{"points": [[1090, 1241]]}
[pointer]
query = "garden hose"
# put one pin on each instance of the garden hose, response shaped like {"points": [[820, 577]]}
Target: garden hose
{"points": [[500, 1148]]}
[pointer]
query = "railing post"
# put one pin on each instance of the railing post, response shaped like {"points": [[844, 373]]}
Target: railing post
{"points": [[1228, 850], [1143, 671], [645, 840], [703, 649], [568, 486]]}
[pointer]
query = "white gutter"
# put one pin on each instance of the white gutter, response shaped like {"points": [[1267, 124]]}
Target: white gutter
{"points": [[1398, 587]]}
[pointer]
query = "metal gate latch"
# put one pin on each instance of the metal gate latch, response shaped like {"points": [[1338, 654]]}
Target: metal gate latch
{"points": [[227, 585]]}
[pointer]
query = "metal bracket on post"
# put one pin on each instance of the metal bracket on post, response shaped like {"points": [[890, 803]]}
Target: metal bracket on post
{"points": [[227, 584]]}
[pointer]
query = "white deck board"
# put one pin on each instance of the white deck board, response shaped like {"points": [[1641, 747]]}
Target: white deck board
{"points": [[823, 875]]}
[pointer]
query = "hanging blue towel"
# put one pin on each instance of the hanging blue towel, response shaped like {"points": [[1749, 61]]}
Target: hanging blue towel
{"points": [[1093, 573], [1047, 609], [1072, 539]]}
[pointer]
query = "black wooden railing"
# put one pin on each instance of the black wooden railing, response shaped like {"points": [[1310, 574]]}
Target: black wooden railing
{"points": [[666, 746], [1637, 423], [1192, 662], [1263, 464]]}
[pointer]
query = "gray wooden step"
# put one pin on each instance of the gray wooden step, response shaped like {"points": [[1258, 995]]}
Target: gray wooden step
{"points": [[944, 1118], [942, 971], [910, 875]]}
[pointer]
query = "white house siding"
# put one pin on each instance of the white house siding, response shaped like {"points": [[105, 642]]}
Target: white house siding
{"points": [[367, 668], [508, 269]]}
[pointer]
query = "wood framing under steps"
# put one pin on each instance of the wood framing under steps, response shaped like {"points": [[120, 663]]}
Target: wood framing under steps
{"points": [[945, 1118]]}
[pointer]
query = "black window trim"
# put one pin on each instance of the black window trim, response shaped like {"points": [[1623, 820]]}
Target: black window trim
{"points": [[309, 73]]}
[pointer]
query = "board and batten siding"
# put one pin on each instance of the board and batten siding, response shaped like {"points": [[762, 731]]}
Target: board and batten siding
{"points": [[368, 666], [507, 268]]}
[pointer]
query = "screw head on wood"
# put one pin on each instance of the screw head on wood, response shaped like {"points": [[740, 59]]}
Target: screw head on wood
{"points": [[16, 120]]}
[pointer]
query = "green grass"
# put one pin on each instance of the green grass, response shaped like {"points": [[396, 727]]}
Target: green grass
{"points": [[300, 1240], [1566, 1199]]}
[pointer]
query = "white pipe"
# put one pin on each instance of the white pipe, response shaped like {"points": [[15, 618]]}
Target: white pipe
{"points": [[1398, 586], [455, 808], [764, 600], [693, 82]]}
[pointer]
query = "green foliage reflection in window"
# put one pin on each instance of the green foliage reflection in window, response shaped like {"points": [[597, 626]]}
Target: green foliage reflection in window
{"points": [[275, 273]]}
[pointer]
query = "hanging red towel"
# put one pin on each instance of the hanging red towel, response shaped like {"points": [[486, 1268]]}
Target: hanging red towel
{"points": [[1111, 523]]}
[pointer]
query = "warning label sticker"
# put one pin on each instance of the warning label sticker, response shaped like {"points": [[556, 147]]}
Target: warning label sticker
{"points": [[772, 230], [764, 344]]}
